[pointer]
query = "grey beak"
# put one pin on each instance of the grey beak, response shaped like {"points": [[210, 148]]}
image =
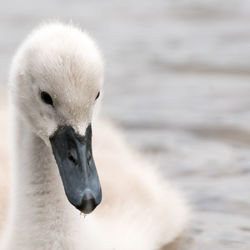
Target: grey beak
{"points": [[73, 154]]}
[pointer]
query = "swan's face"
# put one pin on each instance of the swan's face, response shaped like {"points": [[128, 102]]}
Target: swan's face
{"points": [[56, 80]]}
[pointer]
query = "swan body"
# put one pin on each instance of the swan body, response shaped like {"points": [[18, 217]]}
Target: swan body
{"points": [[139, 210]]}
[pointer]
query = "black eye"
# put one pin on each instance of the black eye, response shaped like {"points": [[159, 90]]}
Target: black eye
{"points": [[97, 95], [46, 98]]}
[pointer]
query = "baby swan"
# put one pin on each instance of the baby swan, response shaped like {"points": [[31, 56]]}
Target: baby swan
{"points": [[55, 81]]}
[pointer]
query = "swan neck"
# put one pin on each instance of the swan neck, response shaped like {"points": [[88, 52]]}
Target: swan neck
{"points": [[38, 202]]}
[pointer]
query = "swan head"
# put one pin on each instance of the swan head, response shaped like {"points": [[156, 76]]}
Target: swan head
{"points": [[55, 81]]}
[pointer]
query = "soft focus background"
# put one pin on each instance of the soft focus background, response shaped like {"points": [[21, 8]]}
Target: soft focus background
{"points": [[178, 82]]}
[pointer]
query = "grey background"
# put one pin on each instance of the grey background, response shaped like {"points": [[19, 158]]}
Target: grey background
{"points": [[178, 82]]}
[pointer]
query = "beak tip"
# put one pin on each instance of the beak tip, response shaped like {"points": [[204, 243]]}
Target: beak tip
{"points": [[88, 203]]}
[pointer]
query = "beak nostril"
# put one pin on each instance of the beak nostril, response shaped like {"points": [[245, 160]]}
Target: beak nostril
{"points": [[89, 156], [72, 156]]}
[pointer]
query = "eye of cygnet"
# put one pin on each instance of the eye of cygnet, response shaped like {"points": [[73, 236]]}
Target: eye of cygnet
{"points": [[46, 98]]}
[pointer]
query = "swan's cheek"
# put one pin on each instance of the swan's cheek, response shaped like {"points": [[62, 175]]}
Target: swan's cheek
{"points": [[82, 123], [46, 128], [51, 128]]}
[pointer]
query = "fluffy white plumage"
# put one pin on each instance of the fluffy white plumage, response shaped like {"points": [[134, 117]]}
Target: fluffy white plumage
{"points": [[140, 209]]}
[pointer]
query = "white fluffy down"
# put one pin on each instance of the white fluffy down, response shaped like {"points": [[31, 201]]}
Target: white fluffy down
{"points": [[140, 210]]}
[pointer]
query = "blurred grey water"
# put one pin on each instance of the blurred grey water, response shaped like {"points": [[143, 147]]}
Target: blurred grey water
{"points": [[178, 82]]}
